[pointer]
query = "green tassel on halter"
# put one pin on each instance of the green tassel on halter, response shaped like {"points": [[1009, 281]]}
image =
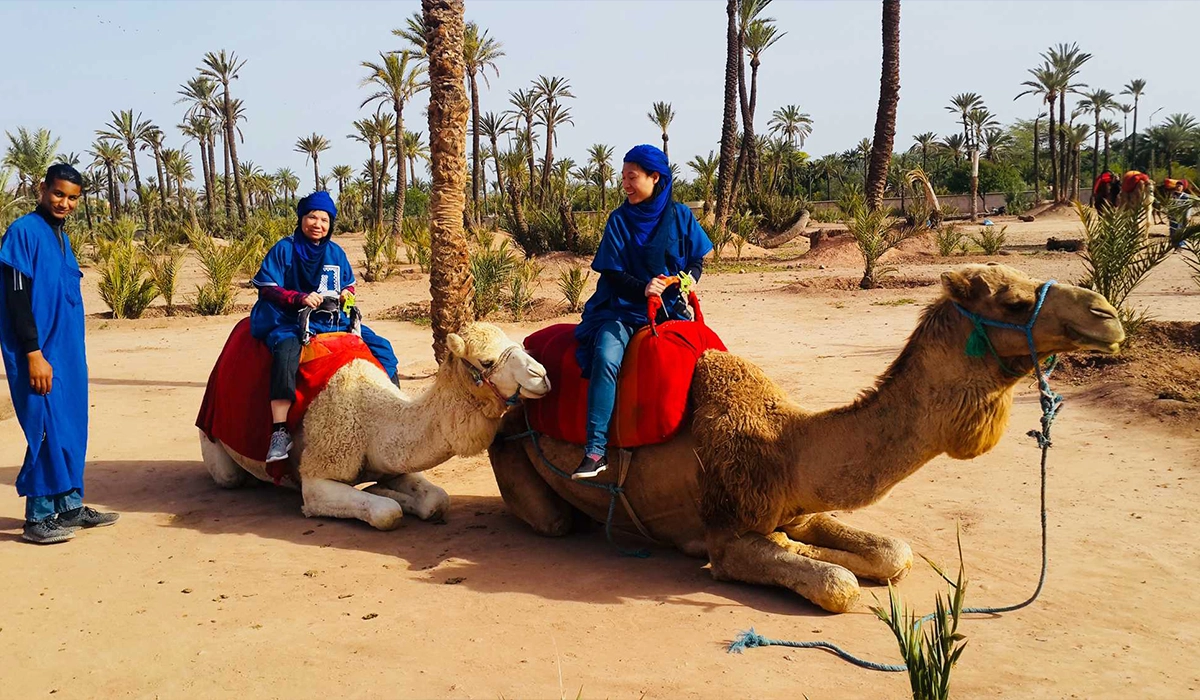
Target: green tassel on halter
{"points": [[978, 344]]}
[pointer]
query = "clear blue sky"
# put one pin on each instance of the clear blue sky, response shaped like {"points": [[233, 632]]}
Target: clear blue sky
{"points": [[70, 62]]}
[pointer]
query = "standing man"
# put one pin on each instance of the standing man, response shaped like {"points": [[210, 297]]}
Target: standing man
{"points": [[41, 339]]}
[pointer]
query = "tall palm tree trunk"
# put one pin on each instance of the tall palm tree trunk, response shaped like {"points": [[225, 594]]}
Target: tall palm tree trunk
{"points": [[137, 182], [316, 173], [476, 170], [1133, 137], [401, 182], [1096, 150], [212, 174], [1037, 180], [1064, 153], [231, 137], [747, 143], [374, 166], [228, 184], [754, 160], [547, 163], [158, 167], [529, 153], [499, 172], [729, 117], [889, 96], [1054, 171], [450, 282], [1105, 152]]}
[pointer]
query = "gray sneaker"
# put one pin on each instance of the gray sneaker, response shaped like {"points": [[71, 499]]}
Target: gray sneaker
{"points": [[85, 516], [47, 531], [281, 444]]}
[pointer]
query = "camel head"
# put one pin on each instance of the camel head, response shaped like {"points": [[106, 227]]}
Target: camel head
{"points": [[490, 357], [1071, 319]]}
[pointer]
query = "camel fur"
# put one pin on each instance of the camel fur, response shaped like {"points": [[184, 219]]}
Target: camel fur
{"points": [[362, 428], [752, 483]]}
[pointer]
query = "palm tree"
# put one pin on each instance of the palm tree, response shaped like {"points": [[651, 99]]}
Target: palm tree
{"points": [[341, 173], [312, 146], [962, 104], [1037, 173], [1108, 128], [924, 141], [829, 166], [1066, 62], [154, 140], [480, 52], [414, 148], [178, 165], [1178, 131], [109, 155], [1135, 88], [30, 155], [201, 120], [791, 123], [493, 126], [661, 114], [979, 120], [288, 182], [1045, 85], [600, 156], [368, 133], [130, 131], [760, 35], [551, 114], [1098, 101], [706, 173], [525, 106], [397, 83], [955, 144], [450, 273], [413, 32], [224, 68], [889, 97], [748, 12], [729, 124]]}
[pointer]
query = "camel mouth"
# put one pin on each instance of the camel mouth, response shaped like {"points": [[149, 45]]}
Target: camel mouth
{"points": [[1104, 340], [535, 392]]}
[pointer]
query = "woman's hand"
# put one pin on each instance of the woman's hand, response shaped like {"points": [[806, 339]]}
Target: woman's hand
{"points": [[41, 374], [656, 286], [313, 300]]}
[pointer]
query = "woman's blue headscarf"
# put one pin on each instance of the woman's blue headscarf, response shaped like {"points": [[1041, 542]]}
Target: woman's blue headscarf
{"points": [[310, 256], [642, 218]]}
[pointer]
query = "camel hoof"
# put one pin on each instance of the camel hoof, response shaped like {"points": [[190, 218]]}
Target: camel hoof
{"points": [[439, 509], [387, 517], [840, 592]]}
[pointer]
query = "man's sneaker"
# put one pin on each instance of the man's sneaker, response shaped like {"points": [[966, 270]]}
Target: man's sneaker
{"points": [[47, 531], [281, 444], [589, 467], [85, 516]]}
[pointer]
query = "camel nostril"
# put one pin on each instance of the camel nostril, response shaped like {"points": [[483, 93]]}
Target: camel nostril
{"points": [[1103, 312]]}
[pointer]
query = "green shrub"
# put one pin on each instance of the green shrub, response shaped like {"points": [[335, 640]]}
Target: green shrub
{"points": [[414, 232], [990, 239], [522, 285], [221, 265], [826, 215], [491, 270], [164, 270], [776, 212], [948, 240], [379, 249], [125, 284], [572, 282], [874, 234]]}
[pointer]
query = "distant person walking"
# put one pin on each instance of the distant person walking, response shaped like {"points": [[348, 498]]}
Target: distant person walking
{"points": [[41, 339]]}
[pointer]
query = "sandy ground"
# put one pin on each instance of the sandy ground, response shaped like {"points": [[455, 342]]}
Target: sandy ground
{"points": [[200, 592]]}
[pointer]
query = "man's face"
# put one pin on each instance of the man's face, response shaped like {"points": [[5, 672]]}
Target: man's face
{"points": [[59, 197]]}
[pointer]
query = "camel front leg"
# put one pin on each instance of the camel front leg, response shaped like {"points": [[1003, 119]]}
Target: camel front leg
{"points": [[323, 497], [876, 557], [523, 489], [754, 558], [415, 494]]}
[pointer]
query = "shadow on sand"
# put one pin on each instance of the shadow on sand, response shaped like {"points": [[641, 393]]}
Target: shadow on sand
{"points": [[480, 542]]}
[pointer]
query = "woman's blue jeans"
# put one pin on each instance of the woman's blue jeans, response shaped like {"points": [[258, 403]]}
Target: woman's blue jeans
{"points": [[607, 354]]}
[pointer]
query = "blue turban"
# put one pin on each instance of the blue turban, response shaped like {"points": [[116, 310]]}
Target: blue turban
{"points": [[642, 218], [311, 255]]}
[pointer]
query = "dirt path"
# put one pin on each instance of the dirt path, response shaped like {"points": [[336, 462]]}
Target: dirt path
{"points": [[200, 592]]}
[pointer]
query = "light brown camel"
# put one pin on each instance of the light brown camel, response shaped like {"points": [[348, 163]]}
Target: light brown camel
{"points": [[751, 484], [361, 428], [1137, 192]]}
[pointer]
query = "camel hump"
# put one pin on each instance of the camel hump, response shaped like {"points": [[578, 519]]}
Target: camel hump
{"points": [[724, 381]]}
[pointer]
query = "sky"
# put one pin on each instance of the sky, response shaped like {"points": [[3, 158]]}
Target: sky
{"points": [[303, 69]]}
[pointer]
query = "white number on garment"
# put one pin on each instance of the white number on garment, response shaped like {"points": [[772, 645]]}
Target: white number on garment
{"points": [[331, 280]]}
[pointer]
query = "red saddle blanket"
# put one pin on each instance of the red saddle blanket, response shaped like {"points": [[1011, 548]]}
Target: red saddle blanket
{"points": [[652, 390], [237, 403]]}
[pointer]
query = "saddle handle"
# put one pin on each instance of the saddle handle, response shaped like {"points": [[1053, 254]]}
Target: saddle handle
{"points": [[654, 305]]}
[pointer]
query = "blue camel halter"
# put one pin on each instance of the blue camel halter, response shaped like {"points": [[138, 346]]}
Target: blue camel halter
{"points": [[978, 345]]}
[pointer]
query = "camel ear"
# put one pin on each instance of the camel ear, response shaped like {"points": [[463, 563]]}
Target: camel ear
{"points": [[456, 345], [962, 288]]}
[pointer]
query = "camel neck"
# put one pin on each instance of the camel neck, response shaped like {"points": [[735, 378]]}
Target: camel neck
{"points": [[933, 399]]}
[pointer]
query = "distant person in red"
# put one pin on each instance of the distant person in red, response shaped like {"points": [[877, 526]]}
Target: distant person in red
{"points": [[1105, 190]]}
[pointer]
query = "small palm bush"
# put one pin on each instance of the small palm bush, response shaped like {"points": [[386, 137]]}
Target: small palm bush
{"points": [[719, 238], [572, 282], [379, 247], [930, 655], [776, 211], [948, 239], [1119, 256], [125, 284], [164, 270], [522, 285], [221, 265], [745, 227], [113, 233], [874, 234], [414, 232], [491, 270], [990, 239]]}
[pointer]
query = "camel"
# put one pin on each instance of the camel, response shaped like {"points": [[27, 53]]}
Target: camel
{"points": [[1137, 193], [752, 482], [363, 429]]}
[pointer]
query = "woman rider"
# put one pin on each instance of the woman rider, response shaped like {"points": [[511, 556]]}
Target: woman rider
{"points": [[298, 272], [648, 237]]}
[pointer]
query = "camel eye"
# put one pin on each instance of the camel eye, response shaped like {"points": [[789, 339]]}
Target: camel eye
{"points": [[486, 364], [1018, 305]]}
